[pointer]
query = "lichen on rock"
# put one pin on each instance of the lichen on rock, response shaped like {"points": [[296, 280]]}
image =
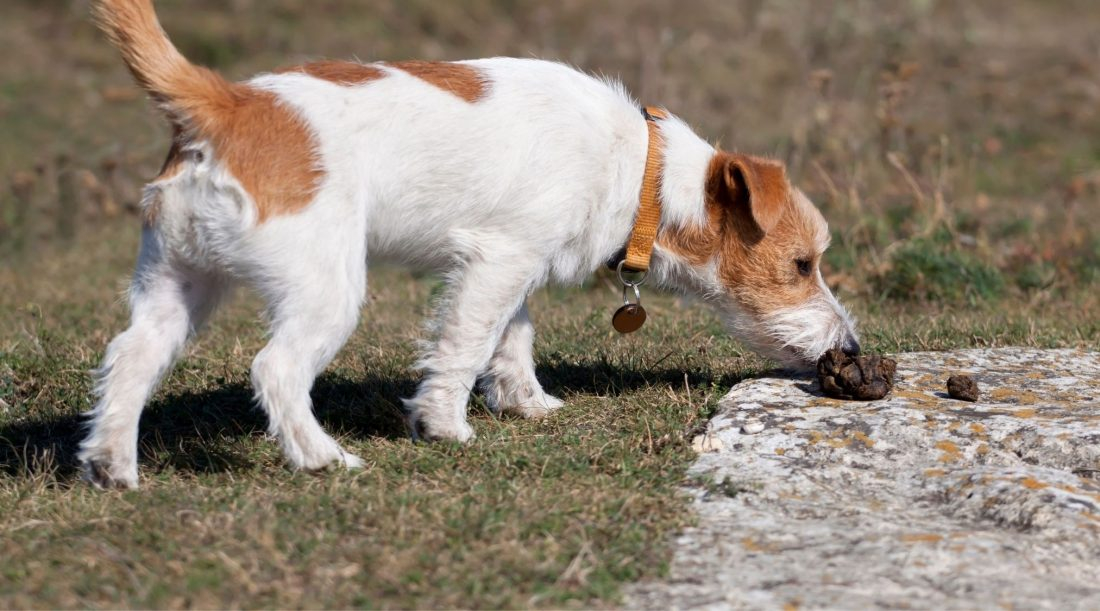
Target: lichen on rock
{"points": [[915, 500]]}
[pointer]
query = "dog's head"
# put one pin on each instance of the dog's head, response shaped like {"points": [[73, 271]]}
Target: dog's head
{"points": [[757, 258]]}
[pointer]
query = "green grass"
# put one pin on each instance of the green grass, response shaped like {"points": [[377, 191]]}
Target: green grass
{"points": [[548, 513], [936, 269]]}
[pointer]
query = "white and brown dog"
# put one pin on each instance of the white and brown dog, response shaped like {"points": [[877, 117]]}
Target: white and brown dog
{"points": [[503, 174]]}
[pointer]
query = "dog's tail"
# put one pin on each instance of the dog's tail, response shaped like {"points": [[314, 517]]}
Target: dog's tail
{"points": [[185, 92]]}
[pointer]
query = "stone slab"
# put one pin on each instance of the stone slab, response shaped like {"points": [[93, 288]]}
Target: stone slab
{"points": [[913, 501]]}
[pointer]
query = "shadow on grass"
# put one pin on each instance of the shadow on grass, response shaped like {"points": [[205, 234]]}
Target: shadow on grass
{"points": [[202, 432], [206, 432], [608, 379]]}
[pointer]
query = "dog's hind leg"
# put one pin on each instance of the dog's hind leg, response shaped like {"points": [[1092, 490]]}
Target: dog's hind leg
{"points": [[510, 385], [312, 318], [168, 302]]}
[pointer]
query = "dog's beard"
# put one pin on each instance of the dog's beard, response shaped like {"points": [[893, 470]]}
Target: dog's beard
{"points": [[795, 337]]}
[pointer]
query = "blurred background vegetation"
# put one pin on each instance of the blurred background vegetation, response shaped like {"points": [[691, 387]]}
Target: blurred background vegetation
{"points": [[954, 146]]}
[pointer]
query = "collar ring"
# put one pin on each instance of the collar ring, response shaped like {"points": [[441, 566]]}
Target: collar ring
{"points": [[630, 283]]}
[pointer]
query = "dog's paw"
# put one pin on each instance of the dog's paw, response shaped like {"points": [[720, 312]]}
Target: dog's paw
{"points": [[104, 476], [350, 461], [422, 430], [332, 457], [536, 407]]}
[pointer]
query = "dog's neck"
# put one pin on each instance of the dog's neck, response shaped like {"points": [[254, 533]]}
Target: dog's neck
{"points": [[683, 200], [683, 182]]}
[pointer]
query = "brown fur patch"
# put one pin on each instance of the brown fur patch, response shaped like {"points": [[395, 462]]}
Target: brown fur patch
{"points": [[743, 194], [339, 72], [267, 147], [699, 243], [765, 277], [760, 185], [263, 143], [461, 80]]}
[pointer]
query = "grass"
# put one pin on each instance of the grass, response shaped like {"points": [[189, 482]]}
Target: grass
{"points": [[533, 513], [550, 513], [951, 146]]}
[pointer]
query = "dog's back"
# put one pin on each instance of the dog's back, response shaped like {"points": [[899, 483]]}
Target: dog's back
{"points": [[430, 165], [399, 154]]}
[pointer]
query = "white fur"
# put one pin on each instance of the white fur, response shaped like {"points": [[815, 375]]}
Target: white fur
{"points": [[684, 174], [798, 334], [538, 181]]}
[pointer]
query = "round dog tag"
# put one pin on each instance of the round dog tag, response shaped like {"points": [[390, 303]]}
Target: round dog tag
{"points": [[628, 318]]}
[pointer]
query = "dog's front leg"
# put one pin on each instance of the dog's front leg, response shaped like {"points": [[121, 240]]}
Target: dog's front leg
{"points": [[510, 385], [481, 302]]}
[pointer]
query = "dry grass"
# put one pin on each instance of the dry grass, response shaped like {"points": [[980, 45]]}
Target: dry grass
{"points": [[952, 145]]}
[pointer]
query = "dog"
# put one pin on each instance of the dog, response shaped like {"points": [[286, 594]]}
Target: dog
{"points": [[501, 174]]}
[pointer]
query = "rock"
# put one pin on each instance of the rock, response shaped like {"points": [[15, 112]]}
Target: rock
{"points": [[752, 428], [963, 388], [863, 378], [706, 442], [911, 501]]}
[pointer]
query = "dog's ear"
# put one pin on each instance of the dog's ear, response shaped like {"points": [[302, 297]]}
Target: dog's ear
{"points": [[752, 187]]}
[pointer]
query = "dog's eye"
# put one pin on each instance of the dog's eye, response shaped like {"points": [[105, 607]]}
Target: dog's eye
{"points": [[197, 156], [805, 266]]}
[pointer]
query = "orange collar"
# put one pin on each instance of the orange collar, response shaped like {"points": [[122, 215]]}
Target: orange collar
{"points": [[640, 246]]}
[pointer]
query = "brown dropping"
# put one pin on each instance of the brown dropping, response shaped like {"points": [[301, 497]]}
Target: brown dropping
{"points": [[962, 387], [861, 378]]}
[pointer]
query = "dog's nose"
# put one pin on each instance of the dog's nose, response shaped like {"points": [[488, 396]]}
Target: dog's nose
{"points": [[850, 346]]}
